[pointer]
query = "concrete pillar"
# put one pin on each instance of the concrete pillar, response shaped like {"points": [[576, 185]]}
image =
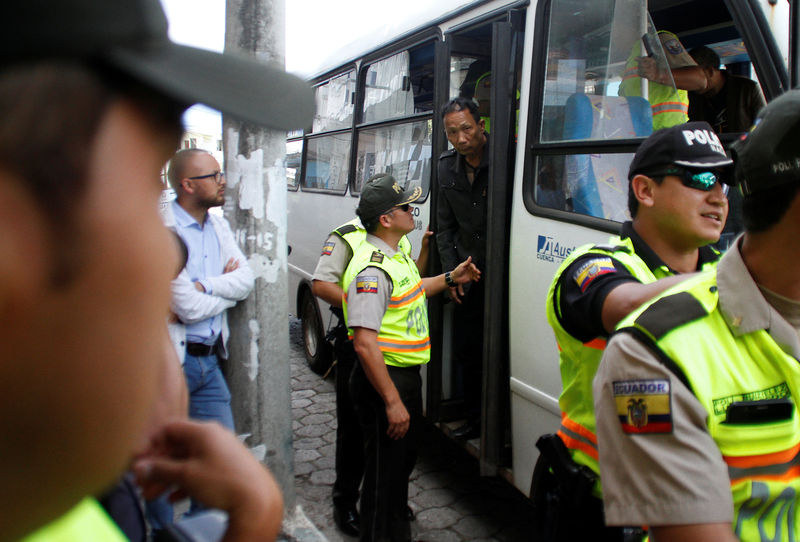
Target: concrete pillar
{"points": [[258, 371]]}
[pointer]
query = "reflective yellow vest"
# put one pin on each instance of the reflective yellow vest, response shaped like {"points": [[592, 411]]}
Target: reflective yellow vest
{"points": [[763, 458], [403, 337], [579, 361], [670, 105], [353, 233], [86, 522]]}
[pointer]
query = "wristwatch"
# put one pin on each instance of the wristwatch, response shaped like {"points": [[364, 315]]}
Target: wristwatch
{"points": [[448, 279]]}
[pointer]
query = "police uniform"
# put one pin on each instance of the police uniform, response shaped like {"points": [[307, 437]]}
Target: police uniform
{"points": [[86, 521], [670, 105], [384, 293], [574, 310], [672, 448], [336, 255], [461, 232]]}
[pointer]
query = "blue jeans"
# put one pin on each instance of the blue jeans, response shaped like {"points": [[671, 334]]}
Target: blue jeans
{"points": [[209, 399]]}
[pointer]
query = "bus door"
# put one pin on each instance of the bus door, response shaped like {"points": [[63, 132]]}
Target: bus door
{"points": [[483, 65]]}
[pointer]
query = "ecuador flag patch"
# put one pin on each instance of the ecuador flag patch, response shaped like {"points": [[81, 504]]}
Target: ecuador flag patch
{"points": [[366, 285], [643, 406], [327, 248], [592, 269]]}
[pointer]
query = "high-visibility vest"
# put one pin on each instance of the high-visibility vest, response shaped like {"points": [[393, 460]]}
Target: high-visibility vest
{"points": [[578, 361], [353, 233], [86, 521], [670, 105], [720, 368], [403, 337]]}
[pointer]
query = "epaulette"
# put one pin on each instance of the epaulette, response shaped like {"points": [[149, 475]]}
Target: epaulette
{"points": [[669, 313], [377, 256], [612, 248], [344, 230]]}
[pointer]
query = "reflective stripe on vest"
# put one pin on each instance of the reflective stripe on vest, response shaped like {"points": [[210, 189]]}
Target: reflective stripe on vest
{"points": [[403, 336], [577, 437], [762, 458]]}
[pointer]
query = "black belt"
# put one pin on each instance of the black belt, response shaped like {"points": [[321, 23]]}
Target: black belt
{"points": [[200, 349]]}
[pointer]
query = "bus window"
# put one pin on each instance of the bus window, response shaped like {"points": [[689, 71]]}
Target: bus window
{"points": [[403, 150], [400, 85], [294, 155], [335, 103], [326, 162]]}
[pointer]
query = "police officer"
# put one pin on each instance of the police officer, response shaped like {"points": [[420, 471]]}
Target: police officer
{"points": [[463, 176], [696, 394], [667, 86], [678, 208], [385, 311], [327, 285]]}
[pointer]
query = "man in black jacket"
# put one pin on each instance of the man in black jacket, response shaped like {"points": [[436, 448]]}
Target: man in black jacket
{"points": [[461, 210]]}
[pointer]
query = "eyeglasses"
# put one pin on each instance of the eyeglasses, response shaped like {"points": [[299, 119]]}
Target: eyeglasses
{"points": [[405, 207], [699, 180], [217, 175]]}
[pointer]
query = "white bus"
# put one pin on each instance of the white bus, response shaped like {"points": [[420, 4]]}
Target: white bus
{"points": [[561, 141]]}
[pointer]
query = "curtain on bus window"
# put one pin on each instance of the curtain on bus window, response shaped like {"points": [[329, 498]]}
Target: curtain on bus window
{"points": [[327, 162], [335, 103], [402, 150], [389, 91]]}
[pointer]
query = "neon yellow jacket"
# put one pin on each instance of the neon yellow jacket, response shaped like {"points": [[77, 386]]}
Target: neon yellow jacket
{"points": [[86, 522]]}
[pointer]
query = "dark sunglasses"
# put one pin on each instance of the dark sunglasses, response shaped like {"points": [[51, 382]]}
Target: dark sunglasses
{"points": [[699, 180], [405, 207]]}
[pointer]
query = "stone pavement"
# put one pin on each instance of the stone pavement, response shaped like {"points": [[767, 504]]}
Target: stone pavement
{"points": [[451, 501]]}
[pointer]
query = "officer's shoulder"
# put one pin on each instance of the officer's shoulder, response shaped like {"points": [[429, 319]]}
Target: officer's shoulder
{"points": [[449, 153]]}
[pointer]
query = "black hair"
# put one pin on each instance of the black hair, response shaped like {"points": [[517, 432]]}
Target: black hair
{"points": [[705, 57], [633, 203], [762, 210], [370, 224], [461, 104]]}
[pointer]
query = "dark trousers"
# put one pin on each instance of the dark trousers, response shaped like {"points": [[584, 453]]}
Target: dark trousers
{"points": [[389, 462], [349, 438], [468, 347]]}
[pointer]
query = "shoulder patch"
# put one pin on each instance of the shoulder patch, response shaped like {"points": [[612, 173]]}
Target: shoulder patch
{"points": [[366, 284], [377, 256], [327, 248], [590, 270], [669, 313], [643, 406]]}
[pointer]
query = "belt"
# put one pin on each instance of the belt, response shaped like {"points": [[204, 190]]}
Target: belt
{"points": [[200, 349]]}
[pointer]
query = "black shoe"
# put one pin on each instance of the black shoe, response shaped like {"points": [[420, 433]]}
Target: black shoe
{"points": [[467, 431], [347, 520]]}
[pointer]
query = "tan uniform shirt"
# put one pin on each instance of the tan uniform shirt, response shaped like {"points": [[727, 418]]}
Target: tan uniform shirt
{"points": [[366, 309], [680, 477]]}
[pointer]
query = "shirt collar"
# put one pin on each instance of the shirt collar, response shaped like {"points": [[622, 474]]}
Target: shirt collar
{"points": [[381, 245], [705, 254], [184, 219]]}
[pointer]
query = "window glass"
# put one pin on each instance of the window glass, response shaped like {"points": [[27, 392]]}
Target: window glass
{"points": [[593, 87], [294, 156], [327, 161], [403, 150], [589, 184], [335, 103], [400, 85]]}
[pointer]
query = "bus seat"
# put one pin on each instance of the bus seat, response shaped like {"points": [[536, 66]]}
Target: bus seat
{"points": [[602, 118]]}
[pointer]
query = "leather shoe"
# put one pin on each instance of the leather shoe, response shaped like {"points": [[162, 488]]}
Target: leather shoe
{"points": [[347, 520], [467, 431]]}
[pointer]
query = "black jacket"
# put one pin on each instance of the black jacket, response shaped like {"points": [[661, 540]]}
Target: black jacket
{"points": [[461, 210]]}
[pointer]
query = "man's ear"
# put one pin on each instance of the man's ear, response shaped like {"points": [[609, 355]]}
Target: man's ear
{"points": [[643, 188], [25, 247], [186, 185]]}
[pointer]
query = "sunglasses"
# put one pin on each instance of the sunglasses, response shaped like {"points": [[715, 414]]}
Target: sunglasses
{"points": [[405, 207], [699, 180]]}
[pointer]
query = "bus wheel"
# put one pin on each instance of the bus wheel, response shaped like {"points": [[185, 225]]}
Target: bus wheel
{"points": [[317, 349]]}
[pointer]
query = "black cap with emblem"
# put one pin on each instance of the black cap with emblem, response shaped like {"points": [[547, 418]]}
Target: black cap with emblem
{"points": [[769, 154], [382, 192]]}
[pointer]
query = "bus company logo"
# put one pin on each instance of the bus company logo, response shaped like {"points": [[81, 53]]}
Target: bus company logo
{"points": [[550, 250]]}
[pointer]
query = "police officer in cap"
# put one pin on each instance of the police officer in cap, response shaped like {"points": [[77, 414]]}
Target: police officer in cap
{"points": [[385, 311], [698, 426]]}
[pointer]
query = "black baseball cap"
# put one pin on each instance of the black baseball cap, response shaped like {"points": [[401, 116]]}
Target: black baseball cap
{"points": [[131, 36], [380, 193], [769, 154], [693, 145]]}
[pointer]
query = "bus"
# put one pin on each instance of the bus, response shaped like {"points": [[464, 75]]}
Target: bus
{"points": [[562, 137]]}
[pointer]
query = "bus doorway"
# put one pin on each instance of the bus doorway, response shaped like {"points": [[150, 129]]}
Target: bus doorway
{"points": [[483, 65]]}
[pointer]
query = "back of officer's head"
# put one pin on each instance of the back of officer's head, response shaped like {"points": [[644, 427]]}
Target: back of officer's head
{"points": [[768, 163]]}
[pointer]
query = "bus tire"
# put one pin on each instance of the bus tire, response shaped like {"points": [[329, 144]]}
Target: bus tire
{"points": [[316, 348]]}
